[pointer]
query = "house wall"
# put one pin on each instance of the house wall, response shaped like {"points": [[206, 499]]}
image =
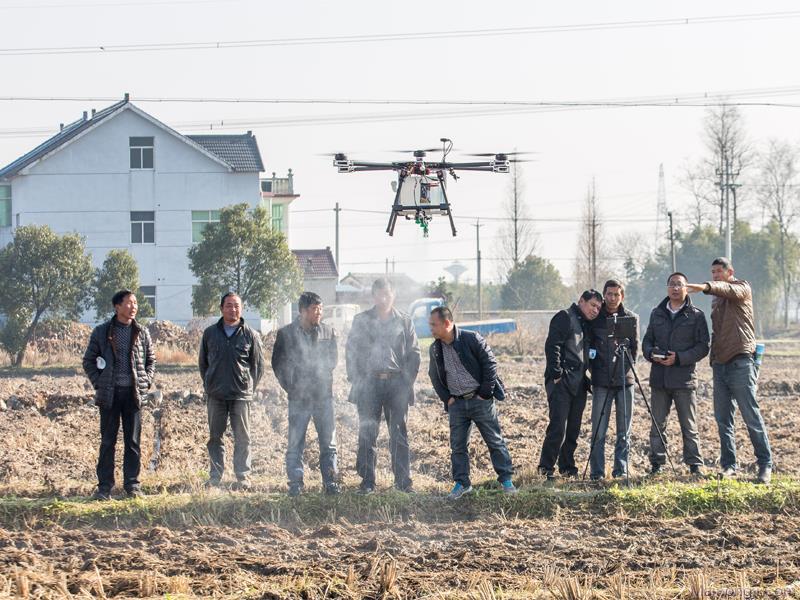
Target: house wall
{"points": [[88, 187]]}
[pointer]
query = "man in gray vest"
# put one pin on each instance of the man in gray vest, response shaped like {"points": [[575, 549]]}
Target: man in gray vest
{"points": [[566, 383]]}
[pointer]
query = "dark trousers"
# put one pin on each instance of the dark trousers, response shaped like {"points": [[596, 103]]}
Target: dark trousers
{"points": [[301, 411], [686, 406], [390, 398], [123, 409], [483, 414], [219, 411], [561, 437]]}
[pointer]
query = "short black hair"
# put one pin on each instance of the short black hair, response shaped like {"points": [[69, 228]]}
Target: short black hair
{"points": [[228, 295], [723, 262], [308, 299], [613, 283], [120, 296], [589, 294], [444, 313], [677, 273], [382, 283]]}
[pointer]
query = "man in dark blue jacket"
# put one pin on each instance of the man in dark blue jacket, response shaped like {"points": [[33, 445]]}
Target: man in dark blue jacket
{"points": [[676, 339], [566, 383], [463, 372]]}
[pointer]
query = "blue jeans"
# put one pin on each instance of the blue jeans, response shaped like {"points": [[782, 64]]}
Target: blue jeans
{"points": [[483, 414], [622, 401], [301, 411], [735, 384]]}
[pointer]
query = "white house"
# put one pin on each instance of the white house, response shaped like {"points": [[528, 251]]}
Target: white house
{"points": [[123, 179]]}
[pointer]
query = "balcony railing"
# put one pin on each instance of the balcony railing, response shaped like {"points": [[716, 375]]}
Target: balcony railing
{"points": [[278, 186]]}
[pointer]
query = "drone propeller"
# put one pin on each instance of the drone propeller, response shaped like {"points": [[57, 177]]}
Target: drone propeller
{"points": [[489, 154], [417, 150], [331, 154]]}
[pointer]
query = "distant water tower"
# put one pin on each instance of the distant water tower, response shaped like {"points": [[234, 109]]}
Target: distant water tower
{"points": [[456, 270]]}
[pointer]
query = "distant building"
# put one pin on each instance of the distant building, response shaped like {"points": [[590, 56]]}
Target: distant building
{"points": [[320, 274], [123, 179], [356, 288]]}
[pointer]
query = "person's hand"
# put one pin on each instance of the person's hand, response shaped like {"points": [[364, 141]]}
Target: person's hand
{"points": [[669, 361], [694, 288], [451, 401]]}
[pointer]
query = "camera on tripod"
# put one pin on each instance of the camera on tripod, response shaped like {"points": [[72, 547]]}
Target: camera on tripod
{"points": [[621, 328]]}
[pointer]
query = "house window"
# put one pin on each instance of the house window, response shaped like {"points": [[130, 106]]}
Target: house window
{"points": [[266, 186], [277, 217], [5, 206], [148, 292], [143, 227], [200, 220], [141, 152]]}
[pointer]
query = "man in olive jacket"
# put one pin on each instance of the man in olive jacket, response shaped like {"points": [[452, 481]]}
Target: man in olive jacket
{"points": [[735, 375], [121, 364], [382, 363], [231, 364], [303, 359], [675, 341]]}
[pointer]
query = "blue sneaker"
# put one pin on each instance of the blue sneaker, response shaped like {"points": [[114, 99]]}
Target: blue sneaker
{"points": [[458, 491], [508, 487]]}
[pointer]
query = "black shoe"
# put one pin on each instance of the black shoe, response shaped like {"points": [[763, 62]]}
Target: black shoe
{"points": [[764, 475], [549, 474], [333, 489], [365, 490], [101, 495], [570, 473], [135, 493], [242, 485], [727, 473], [597, 477], [407, 489], [212, 483], [619, 474], [696, 470], [295, 490], [655, 469]]}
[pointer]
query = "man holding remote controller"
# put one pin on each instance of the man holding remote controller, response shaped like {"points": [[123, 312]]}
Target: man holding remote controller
{"points": [[675, 341], [733, 345]]}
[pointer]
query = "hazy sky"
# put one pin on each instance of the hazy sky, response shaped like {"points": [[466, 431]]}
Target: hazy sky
{"points": [[621, 148]]}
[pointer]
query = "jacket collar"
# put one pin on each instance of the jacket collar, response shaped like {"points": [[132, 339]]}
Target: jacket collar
{"points": [[620, 311], [686, 305], [113, 321], [221, 323]]}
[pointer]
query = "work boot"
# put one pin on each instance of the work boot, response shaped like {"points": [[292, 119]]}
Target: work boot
{"points": [[764, 475], [101, 495]]}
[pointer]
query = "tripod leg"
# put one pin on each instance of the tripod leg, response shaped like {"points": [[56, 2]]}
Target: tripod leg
{"points": [[650, 411], [603, 412]]}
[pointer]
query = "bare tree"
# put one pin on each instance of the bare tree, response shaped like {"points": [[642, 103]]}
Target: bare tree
{"points": [[728, 150], [518, 238], [590, 262], [778, 194]]}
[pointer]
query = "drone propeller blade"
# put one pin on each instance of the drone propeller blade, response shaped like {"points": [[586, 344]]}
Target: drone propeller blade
{"points": [[489, 154], [417, 150], [331, 154]]}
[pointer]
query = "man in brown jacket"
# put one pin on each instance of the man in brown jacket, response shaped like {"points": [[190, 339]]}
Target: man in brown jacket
{"points": [[733, 343]]}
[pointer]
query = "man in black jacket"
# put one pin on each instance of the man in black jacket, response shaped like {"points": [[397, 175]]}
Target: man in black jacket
{"points": [[463, 372], [231, 365], [303, 358], [121, 364], [676, 340], [566, 383], [382, 364], [610, 385]]}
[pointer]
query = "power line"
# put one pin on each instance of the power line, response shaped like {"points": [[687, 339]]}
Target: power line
{"points": [[397, 37], [106, 4]]}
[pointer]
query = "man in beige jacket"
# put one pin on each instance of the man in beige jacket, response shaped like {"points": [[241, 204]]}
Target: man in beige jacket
{"points": [[733, 343]]}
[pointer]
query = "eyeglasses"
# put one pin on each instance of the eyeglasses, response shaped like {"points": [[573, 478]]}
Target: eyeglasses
{"points": [[676, 286]]}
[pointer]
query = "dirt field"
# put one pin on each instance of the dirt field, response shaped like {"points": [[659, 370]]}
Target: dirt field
{"points": [[49, 433]]}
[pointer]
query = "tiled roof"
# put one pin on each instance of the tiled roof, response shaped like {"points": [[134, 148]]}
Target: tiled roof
{"points": [[316, 263], [62, 137], [239, 151]]}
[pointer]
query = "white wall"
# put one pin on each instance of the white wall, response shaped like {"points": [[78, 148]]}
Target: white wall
{"points": [[87, 187]]}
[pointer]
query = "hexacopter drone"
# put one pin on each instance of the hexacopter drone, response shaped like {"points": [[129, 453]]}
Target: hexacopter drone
{"points": [[420, 187]]}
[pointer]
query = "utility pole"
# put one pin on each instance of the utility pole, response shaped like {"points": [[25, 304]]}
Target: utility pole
{"points": [[672, 243], [477, 227], [337, 210], [386, 269], [727, 188]]}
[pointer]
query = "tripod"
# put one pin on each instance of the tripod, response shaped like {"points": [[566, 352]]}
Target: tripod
{"points": [[622, 353]]}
